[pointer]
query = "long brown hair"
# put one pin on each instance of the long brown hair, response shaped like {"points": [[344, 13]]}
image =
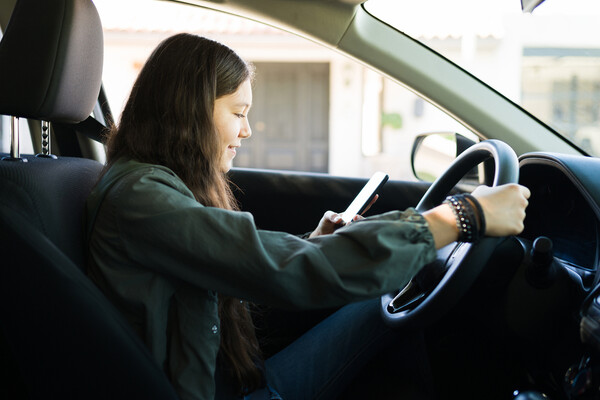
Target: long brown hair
{"points": [[168, 120]]}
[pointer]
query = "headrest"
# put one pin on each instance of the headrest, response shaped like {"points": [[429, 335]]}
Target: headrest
{"points": [[51, 60]]}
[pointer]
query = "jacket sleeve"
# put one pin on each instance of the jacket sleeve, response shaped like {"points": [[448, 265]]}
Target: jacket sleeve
{"points": [[163, 228]]}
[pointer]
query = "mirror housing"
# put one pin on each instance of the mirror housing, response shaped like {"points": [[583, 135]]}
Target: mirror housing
{"points": [[529, 5], [432, 154]]}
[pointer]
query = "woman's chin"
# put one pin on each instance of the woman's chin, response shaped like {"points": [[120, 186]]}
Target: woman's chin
{"points": [[227, 166]]}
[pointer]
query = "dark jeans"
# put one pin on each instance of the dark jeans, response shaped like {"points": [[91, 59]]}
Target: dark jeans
{"points": [[324, 361]]}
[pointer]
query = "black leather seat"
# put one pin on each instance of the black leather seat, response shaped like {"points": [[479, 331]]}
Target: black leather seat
{"points": [[61, 338]]}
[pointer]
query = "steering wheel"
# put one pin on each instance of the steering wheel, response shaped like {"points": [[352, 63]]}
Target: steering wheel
{"points": [[437, 287]]}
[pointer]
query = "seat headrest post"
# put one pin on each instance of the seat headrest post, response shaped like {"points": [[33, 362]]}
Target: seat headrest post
{"points": [[15, 154], [46, 142]]}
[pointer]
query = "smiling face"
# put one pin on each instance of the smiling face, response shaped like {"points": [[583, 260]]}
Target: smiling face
{"points": [[231, 120]]}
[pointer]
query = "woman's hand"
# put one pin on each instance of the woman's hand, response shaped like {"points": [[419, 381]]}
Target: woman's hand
{"points": [[503, 208], [332, 221]]}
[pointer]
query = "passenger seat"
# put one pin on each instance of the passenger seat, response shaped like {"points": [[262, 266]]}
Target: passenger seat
{"points": [[60, 337]]}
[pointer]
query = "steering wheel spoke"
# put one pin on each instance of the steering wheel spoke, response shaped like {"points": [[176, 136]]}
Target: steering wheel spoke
{"points": [[410, 296]]}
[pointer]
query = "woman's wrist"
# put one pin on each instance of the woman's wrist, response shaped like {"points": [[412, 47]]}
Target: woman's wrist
{"points": [[442, 224], [469, 217]]}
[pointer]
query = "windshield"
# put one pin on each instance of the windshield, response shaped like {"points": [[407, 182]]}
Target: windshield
{"points": [[547, 61]]}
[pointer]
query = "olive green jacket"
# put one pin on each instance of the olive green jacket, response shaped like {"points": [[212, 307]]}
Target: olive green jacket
{"points": [[161, 257]]}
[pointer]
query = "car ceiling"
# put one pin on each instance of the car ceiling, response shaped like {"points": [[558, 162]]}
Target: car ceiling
{"points": [[323, 21], [6, 7]]}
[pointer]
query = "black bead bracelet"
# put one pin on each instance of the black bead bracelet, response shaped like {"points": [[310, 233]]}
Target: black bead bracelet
{"points": [[480, 214], [467, 212]]}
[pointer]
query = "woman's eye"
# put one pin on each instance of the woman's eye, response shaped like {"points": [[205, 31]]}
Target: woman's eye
{"points": [[240, 115]]}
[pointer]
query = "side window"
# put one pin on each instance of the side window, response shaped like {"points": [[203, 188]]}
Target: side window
{"points": [[25, 143], [314, 110], [403, 117], [4, 134]]}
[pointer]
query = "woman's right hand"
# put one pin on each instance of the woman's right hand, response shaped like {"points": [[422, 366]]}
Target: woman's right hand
{"points": [[503, 208]]}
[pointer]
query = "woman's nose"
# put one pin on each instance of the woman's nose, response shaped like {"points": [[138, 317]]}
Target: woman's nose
{"points": [[246, 131]]}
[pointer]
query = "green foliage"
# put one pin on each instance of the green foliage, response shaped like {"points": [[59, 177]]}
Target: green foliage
{"points": [[393, 120]]}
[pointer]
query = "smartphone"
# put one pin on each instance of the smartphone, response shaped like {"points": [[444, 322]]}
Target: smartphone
{"points": [[365, 196]]}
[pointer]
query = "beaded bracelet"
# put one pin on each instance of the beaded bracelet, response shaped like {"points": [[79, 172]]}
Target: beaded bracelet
{"points": [[466, 219], [480, 213]]}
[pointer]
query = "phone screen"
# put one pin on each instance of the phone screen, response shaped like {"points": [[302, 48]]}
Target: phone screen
{"points": [[367, 193]]}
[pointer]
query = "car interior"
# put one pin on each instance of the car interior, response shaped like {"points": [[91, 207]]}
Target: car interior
{"points": [[505, 317]]}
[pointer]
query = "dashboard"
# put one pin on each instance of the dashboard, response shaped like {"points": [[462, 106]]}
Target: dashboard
{"points": [[564, 206]]}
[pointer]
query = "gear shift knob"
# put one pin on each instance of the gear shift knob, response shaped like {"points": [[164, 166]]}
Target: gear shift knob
{"points": [[541, 271]]}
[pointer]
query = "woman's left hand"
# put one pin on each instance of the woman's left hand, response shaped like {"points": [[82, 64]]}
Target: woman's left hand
{"points": [[332, 221]]}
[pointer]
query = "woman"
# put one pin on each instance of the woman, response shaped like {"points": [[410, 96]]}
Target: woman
{"points": [[169, 249]]}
